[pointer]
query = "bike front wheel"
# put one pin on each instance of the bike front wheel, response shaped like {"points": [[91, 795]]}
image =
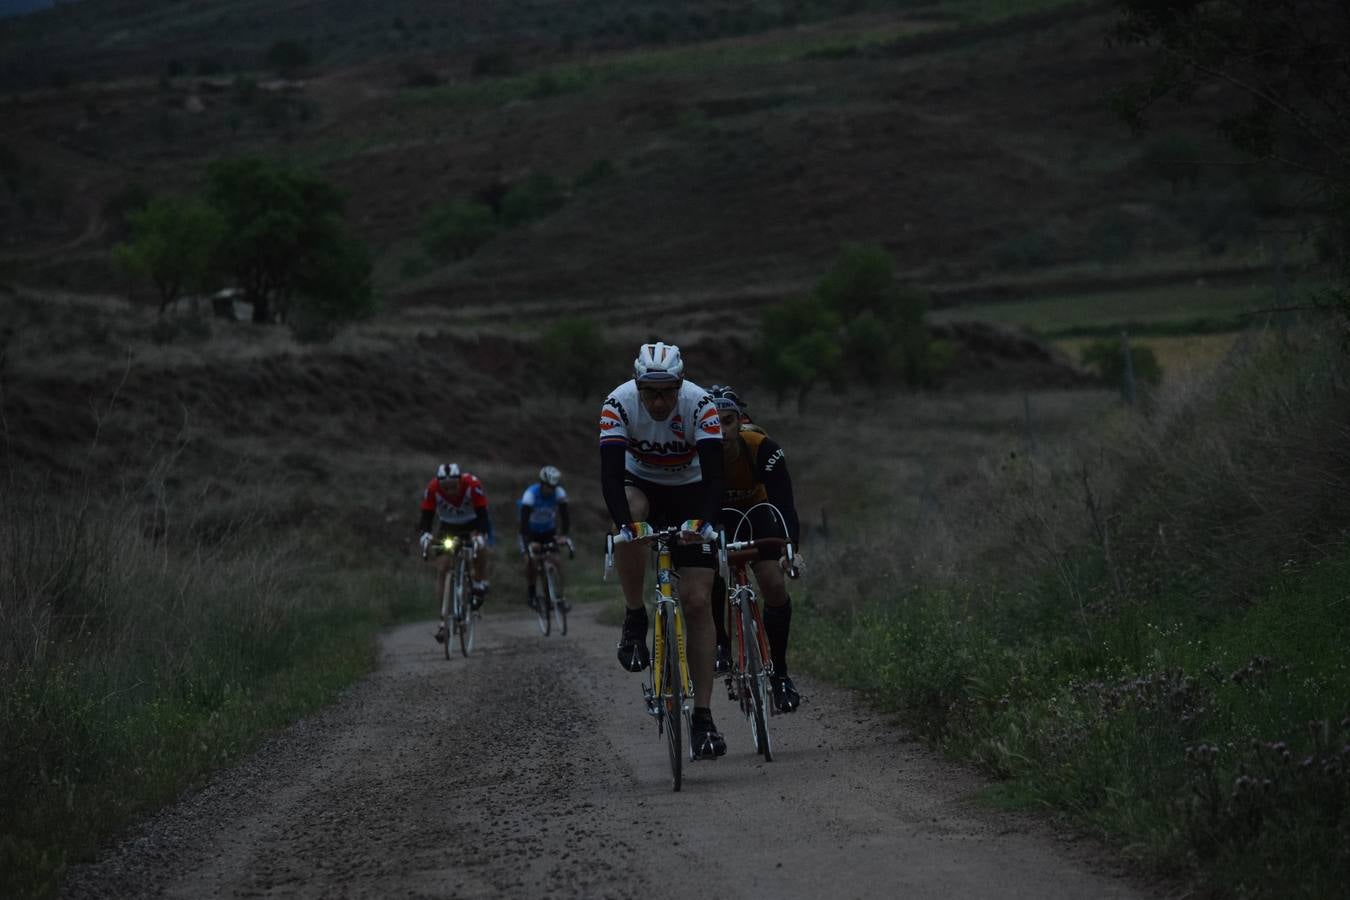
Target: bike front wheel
{"points": [[673, 697], [759, 683], [463, 612], [447, 614], [554, 598], [544, 603]]}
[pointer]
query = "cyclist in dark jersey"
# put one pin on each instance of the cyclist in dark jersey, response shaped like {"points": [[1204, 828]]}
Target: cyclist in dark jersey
{"points": [[755, 471]]}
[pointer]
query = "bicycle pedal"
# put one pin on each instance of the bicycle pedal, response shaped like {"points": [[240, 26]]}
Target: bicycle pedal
{"points": [[653, 708]]}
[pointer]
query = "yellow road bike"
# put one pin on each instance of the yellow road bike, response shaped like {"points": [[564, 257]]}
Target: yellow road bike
{"points": [[670, 690]]}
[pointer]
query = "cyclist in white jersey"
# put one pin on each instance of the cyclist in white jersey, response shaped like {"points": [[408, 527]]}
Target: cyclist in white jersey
{"points": [[661, 466]]}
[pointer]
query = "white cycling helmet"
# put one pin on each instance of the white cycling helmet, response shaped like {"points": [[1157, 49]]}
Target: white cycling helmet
{"points": [[447, 471], [550, 475], [658, 362]]}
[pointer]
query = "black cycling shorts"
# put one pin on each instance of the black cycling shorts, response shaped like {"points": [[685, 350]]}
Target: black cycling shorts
{"points": [[458, 529], [539, 537], [669, 505]]}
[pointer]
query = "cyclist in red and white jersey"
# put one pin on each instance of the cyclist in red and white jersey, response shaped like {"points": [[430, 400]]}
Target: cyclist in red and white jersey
{"points": [[660, 467], [458, 503]]}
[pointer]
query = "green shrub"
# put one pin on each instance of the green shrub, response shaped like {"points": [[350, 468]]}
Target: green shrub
{"points": [[535, 197], [798, 347], [1106, 356], [568, 351], [457, 229], [884, 333]]}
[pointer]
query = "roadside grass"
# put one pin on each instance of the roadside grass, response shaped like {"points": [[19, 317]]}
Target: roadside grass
{"points": [[1145, 633], [130, 669], [1213, 749]]}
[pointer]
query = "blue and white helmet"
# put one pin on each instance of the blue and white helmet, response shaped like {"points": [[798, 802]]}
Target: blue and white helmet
{"points": [[550, 475], [658, 362]]}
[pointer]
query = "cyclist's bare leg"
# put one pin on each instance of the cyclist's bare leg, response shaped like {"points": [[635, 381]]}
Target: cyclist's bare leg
{"points": [[557, 567], [531, 569], [695, 594], [772, 585], [442, 569], [480, 564], [631, 559]]}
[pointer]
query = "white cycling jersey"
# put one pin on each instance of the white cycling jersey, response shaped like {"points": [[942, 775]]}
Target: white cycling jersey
{"points": [[661, 452]]}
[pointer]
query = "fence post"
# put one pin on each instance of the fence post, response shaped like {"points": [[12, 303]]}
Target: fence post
{"points": [[1031, 434], [1128, 387]]}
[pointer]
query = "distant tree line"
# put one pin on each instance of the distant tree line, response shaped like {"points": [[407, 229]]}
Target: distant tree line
{"points": [[274, 232]]}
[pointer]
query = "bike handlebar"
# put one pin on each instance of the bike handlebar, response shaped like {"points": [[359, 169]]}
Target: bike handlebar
{"points": [[737, 552], [449, 544], [664, 533], [546, 547]]}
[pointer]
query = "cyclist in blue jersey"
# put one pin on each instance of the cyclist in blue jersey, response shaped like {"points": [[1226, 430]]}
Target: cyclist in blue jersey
{"points": [[543, 518]]}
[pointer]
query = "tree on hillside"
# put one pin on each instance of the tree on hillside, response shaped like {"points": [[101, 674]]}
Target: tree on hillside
{"points": [[568, 351], [285, 238], [884, 333], [175, 243], [799, 347]]}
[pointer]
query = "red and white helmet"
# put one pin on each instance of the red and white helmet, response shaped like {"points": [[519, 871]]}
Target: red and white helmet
{"points": [[447, 471], [658, 362]]}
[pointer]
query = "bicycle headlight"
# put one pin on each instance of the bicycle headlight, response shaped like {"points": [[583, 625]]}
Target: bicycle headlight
{"points": [[448, 543]]}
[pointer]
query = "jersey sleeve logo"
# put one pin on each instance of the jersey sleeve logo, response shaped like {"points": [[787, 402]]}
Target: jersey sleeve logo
{"points": [[709, 425]]}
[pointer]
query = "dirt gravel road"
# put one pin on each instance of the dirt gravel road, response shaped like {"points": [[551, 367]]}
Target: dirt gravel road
{"points": [[531, 770]]}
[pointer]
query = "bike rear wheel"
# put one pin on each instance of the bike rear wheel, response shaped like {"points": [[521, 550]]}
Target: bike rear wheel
{"points": [[554, 601], [759, 683], [672, 699]]}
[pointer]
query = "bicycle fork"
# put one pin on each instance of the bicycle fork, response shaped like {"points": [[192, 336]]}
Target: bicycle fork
{"points": [[659, 690]]}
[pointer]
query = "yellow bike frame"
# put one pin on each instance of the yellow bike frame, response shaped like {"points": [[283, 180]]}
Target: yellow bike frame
{"points": [[665, 595]]}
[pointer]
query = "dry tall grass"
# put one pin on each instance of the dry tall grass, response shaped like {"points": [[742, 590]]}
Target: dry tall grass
{"points": [[134, 657], [1221, 472]]}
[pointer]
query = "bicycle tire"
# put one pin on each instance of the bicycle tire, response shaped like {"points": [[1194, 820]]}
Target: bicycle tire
{"points": [[447, 614], [463, 614], [673, 699], [551, 588], [759, 718], [543, 609]]}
